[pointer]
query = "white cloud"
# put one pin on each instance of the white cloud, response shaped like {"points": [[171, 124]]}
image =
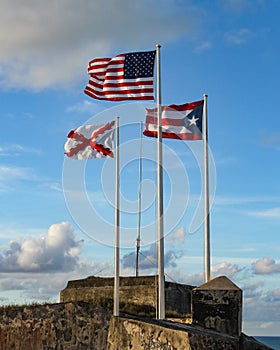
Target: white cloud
{"points": [[268, 213], [230, 200], [56, 251], [43, 46], [46, 286], [239, 37], [196, 279], [267, 325], [225, 269], [179, 236], [85, 107], [204, 46], [274, 295], [15, 150], [10, 174], [253, 287], [16, 173], [266, 266]]}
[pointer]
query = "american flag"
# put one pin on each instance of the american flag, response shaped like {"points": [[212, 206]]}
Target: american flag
{"points": [[183, 122], [125, 77]]}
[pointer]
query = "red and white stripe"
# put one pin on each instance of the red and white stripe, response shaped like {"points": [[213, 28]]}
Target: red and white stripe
{"points": [[173, 122], [107, 81]]}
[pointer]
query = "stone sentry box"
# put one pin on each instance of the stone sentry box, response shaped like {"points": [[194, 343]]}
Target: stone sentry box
{"points": [[217, 305]]}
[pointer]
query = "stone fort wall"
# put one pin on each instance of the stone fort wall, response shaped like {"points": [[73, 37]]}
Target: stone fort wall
{"points": [[68, 326], [141, 291], [81, 325]]}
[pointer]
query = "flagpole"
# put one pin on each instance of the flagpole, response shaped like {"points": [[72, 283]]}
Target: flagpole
{"points": [[161, 286], [117, 227], [139, 204], [206, 194]]}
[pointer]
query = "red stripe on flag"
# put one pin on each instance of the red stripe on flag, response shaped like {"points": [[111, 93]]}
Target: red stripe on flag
{"points": [[171, 135], [178, 121]]}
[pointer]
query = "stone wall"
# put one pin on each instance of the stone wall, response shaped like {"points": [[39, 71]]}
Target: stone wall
{"points": [[82, 326], [133, 334], [68, 326], [140, 291]]}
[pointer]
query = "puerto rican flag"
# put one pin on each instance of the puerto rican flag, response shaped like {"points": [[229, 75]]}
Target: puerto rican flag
{"points": [[181, 122], [91, 141]]}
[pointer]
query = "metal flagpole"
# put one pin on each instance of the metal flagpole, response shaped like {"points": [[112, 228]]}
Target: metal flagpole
{"points": [[139, 205], [206, 194], [161, 286], [117, 227]]}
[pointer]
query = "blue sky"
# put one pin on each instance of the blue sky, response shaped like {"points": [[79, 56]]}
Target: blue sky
{"points": [[57, 214]]}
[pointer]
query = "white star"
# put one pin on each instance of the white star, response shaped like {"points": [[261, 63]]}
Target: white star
{"points": [[193, 120]]}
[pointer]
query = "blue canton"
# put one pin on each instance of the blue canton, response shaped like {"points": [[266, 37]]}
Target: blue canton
{"points": [[139, 64]]}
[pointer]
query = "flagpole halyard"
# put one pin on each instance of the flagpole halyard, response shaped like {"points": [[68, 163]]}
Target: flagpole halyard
{"points": [[161, 284], [206, 194], [117, 227]]}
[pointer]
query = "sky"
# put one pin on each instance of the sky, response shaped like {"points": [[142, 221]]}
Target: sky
{"points": [[57, 214]]}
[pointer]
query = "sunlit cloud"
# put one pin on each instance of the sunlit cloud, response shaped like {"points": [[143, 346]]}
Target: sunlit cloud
{"points": [[56, 251], [266, 266]]}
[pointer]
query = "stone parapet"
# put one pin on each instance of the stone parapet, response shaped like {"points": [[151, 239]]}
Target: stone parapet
{"points": [[140, 291]]}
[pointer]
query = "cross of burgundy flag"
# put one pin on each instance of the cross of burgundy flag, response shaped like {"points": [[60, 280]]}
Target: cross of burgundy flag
{"points": [[91, 141], [127, 76], [183, 122]]}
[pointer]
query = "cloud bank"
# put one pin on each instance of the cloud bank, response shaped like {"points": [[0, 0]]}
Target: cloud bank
{"points": [[56, 251], [50, 46]]}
